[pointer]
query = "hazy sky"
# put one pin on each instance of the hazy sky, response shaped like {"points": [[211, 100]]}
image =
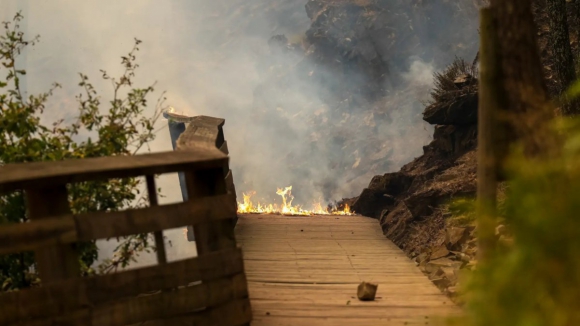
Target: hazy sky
{"points": [[182, 51]]}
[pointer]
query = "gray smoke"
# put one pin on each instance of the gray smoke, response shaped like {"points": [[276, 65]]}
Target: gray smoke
{"points": [[212, 58]]}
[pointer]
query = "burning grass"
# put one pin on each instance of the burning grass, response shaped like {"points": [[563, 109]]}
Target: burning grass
{"points": [[286, 208]]}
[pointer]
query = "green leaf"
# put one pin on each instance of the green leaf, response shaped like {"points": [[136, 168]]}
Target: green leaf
{"points": [[574, 90]]}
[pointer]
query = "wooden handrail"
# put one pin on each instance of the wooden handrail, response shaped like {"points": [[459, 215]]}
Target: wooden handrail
{"points": [[102, 225], [45, 174]]}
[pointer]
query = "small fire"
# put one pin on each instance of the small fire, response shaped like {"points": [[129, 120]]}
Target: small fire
{"points": [[249, 207]]}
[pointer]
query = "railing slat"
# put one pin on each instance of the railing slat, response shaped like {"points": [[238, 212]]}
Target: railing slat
{"points": [[156, 306], [102, 225], [213, 235], [159, 242], [43, 174], [47, 301], [57, 261], [233, 313]]}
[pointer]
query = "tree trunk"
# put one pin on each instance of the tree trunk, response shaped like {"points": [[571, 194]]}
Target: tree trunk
{"points": [[564, 70], [574, 24], [528, 105]]}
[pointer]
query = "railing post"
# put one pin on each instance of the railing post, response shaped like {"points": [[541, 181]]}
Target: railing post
{"points": [[205, 132], [59, 262], [176, 126], [216, 235], [159, 242]]}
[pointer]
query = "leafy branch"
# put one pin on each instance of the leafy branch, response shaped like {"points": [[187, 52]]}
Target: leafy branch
{"points": [[117, 128]]}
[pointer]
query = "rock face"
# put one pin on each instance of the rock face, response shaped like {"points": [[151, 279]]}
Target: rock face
{"points": [[458, 112], [411, 216]]}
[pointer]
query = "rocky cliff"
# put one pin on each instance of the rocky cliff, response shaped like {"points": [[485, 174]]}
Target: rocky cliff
{"points": [[410, 203]]}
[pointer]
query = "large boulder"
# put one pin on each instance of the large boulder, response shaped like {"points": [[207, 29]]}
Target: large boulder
{"points": [[452, 140], [460, 109], [372, 202], [391, 183], [394, 223]]}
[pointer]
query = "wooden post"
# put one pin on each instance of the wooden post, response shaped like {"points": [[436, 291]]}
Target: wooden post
{"points": [[215, 235], [159, 243], [59, 262], [489, 131], [204, 131]]}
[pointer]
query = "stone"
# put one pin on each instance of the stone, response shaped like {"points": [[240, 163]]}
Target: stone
{"points": [[439, 252], [461, 256], [436, 274], [452, 291], [433, 265], [383, 216], [391, 183], [422, 258], [471, 265], [396, 222], [461, 110], [454, 236], [441, 282], [450, 273], [372, 202], [454, 139], [421, 204], [367, 291]]}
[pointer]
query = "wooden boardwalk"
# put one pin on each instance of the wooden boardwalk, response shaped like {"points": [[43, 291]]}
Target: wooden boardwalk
{"points": [[304, 271]]}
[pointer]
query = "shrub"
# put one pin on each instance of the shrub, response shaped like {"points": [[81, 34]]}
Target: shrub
{"points": [[117, 129]]}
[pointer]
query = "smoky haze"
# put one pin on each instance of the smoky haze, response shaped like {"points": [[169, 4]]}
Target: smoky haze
{"points": [[213, 58]]}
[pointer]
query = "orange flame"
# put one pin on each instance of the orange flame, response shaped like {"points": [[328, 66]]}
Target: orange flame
{"points": [[249, 207]]}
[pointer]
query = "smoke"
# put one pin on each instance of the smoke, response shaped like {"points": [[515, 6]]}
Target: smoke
{"points": [[285, 123]]}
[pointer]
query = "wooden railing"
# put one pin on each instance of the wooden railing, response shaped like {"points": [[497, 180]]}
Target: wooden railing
{"points": [[206, 132], [210, 289]]}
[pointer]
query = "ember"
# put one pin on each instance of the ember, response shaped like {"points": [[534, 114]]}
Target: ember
{"points": [[249, 207]]}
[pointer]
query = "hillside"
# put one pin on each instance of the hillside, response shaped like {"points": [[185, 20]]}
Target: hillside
{"points": [[413, 204]]}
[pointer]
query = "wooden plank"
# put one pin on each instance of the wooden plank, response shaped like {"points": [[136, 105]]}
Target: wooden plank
{"points": [[102, 225], [158, 234], [305, 271], [207, 120], [224, 148], [352, 320], [233, 313], [230, 183], [57, 261], [214, 235], [42, 174], [156, 306], [202, 132], [231, 188], [19, 237], [177, 117], [44, 301], [166, 304]]}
